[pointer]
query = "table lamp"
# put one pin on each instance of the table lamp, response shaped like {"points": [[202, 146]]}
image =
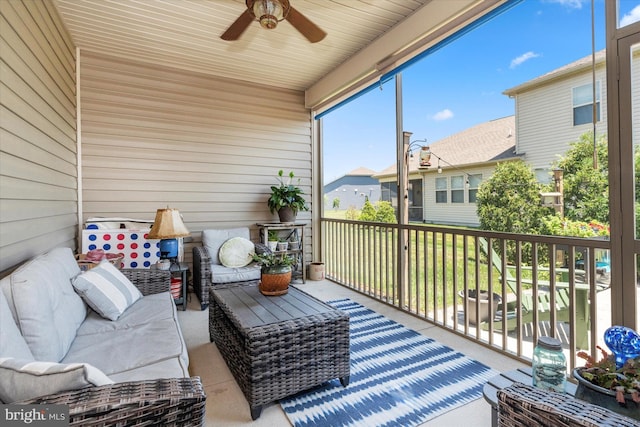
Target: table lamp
{"points": [[168, 226]]}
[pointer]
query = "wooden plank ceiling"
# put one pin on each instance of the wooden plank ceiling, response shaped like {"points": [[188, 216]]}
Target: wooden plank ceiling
{"points": [[186, 34]]}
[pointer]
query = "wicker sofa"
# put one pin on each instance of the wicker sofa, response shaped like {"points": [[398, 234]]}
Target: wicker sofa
{"points": [[132, 370], [521, 405]]}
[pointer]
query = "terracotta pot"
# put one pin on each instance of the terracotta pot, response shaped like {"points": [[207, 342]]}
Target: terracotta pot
{"points": [[275, 280], [604, 397], [287, 215]]}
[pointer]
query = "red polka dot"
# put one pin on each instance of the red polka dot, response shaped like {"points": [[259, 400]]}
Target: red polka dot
{"points": [[107, 237], [134, 255], [120, 236], [134, 246], [120, 246]]}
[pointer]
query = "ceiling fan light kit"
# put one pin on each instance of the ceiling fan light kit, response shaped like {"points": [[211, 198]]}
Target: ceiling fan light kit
{"points": [[268, 13]]}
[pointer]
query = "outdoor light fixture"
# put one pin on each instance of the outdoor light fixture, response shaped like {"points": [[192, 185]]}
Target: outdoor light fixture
{"points": [[268, 12], [168, 226], [439, 167]]}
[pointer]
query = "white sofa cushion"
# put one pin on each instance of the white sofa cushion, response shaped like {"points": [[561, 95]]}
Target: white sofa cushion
{"points": [[222, 274], [26, 379], [214, 239], [105, 289], [48, 311], [236, 252], [12, 343]]}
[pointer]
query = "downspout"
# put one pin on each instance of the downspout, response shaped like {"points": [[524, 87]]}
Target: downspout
{"points": [[79, 151]]}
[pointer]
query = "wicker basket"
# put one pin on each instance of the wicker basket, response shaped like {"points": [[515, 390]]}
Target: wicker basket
{"points": [[88, 265]]}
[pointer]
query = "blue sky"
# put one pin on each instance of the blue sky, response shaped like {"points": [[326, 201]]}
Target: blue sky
{"points": [[461, 84]]}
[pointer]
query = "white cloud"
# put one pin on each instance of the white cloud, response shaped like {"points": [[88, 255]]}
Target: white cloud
{"points": [[445, 114], [571, 4], [631, 17], [522, 58]]}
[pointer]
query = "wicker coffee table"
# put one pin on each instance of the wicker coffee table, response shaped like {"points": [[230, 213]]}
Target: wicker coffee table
{"points": [[277, 346]]}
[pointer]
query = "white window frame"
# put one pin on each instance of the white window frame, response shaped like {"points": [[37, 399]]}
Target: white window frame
{"points": [[440, 190], [457, 188], [586, 101]]}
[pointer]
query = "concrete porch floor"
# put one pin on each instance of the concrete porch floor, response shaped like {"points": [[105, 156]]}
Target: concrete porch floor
{"points": [[226, 405]]}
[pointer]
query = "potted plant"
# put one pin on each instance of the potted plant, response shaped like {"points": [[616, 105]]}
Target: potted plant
{"points": [[275, 272], [283, 244], [272, 240], [606, 384], [286, 199]]}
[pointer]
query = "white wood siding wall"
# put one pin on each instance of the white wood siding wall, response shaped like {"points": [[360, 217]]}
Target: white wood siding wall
{"points": [[544, 127], [452, 213], [154, 136], [38, 173]]}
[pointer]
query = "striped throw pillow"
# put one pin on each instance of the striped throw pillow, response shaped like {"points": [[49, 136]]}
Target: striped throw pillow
{"points": [[26, 379], [105, 289]]}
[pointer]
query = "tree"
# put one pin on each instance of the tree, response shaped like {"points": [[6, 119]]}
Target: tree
{"points": [[510, 200], [336, 203], [586, 190], [381, 212]]}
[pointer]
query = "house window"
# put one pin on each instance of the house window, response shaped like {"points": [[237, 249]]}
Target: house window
{"points": [[583, 104], [415, 200], [441, 190], [457, 189], [388, 192], [474, 183]]}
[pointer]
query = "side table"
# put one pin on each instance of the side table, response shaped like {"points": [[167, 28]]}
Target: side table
{"points": [[180, 269], [504, 380]]}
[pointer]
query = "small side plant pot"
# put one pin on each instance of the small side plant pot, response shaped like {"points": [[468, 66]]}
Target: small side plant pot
{"points": [[470, 305], [273, 245], [294, 246], [283, 246]]}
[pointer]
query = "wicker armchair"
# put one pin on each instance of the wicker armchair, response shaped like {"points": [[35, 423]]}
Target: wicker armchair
{"points": [[522, 405], [165, 402]]}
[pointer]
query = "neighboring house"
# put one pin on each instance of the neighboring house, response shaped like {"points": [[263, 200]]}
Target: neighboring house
{"points": [[352, 189], [445, 193], [562, 100]]}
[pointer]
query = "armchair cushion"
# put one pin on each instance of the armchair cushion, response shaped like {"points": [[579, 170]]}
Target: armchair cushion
{"points": [[105, 289], [25, 379], [236, 252], [222, 274], [214, 239]]}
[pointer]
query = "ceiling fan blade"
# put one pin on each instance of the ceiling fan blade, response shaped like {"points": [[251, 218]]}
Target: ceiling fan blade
{"points": [[237, 28], [311, 31]]}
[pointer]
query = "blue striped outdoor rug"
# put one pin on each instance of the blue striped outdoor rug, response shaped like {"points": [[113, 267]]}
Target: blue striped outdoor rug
{"points": [[398, 378]]}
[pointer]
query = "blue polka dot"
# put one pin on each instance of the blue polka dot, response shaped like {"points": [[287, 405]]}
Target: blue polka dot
{"points": [[92, 237], [92, 247], [146, 254], [147, 264], [92, 227], [158, 254], [147, 245], [134, 236], [106, 246], [134, 264]]}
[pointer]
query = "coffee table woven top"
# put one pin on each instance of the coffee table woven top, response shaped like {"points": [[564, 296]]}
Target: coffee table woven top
{"points": [[247, 308]]}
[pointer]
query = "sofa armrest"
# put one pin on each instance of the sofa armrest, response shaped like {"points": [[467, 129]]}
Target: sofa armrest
{"points": [[201, 274], [521, 405], [149, 281], [163, 402]]}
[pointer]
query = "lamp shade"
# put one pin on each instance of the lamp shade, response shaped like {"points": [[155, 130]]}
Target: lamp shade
{"points": [[168, 225]]}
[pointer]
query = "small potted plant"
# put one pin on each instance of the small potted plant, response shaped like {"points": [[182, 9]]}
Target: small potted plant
{"points": [[286, 199], [275, 272], [272, 240], [283, 244], [613, 381]]}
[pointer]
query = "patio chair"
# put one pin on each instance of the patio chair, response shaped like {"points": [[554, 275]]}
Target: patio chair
{"points": [[208, 270], [527, 303]]}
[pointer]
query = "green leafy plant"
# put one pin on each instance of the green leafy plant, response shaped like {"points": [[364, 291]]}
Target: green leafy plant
{"points": [[603, 373], [286, 195], [268, 260], [272, 236]]}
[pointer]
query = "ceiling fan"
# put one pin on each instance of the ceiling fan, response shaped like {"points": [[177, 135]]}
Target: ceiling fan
{"points": [[269, 13]]}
